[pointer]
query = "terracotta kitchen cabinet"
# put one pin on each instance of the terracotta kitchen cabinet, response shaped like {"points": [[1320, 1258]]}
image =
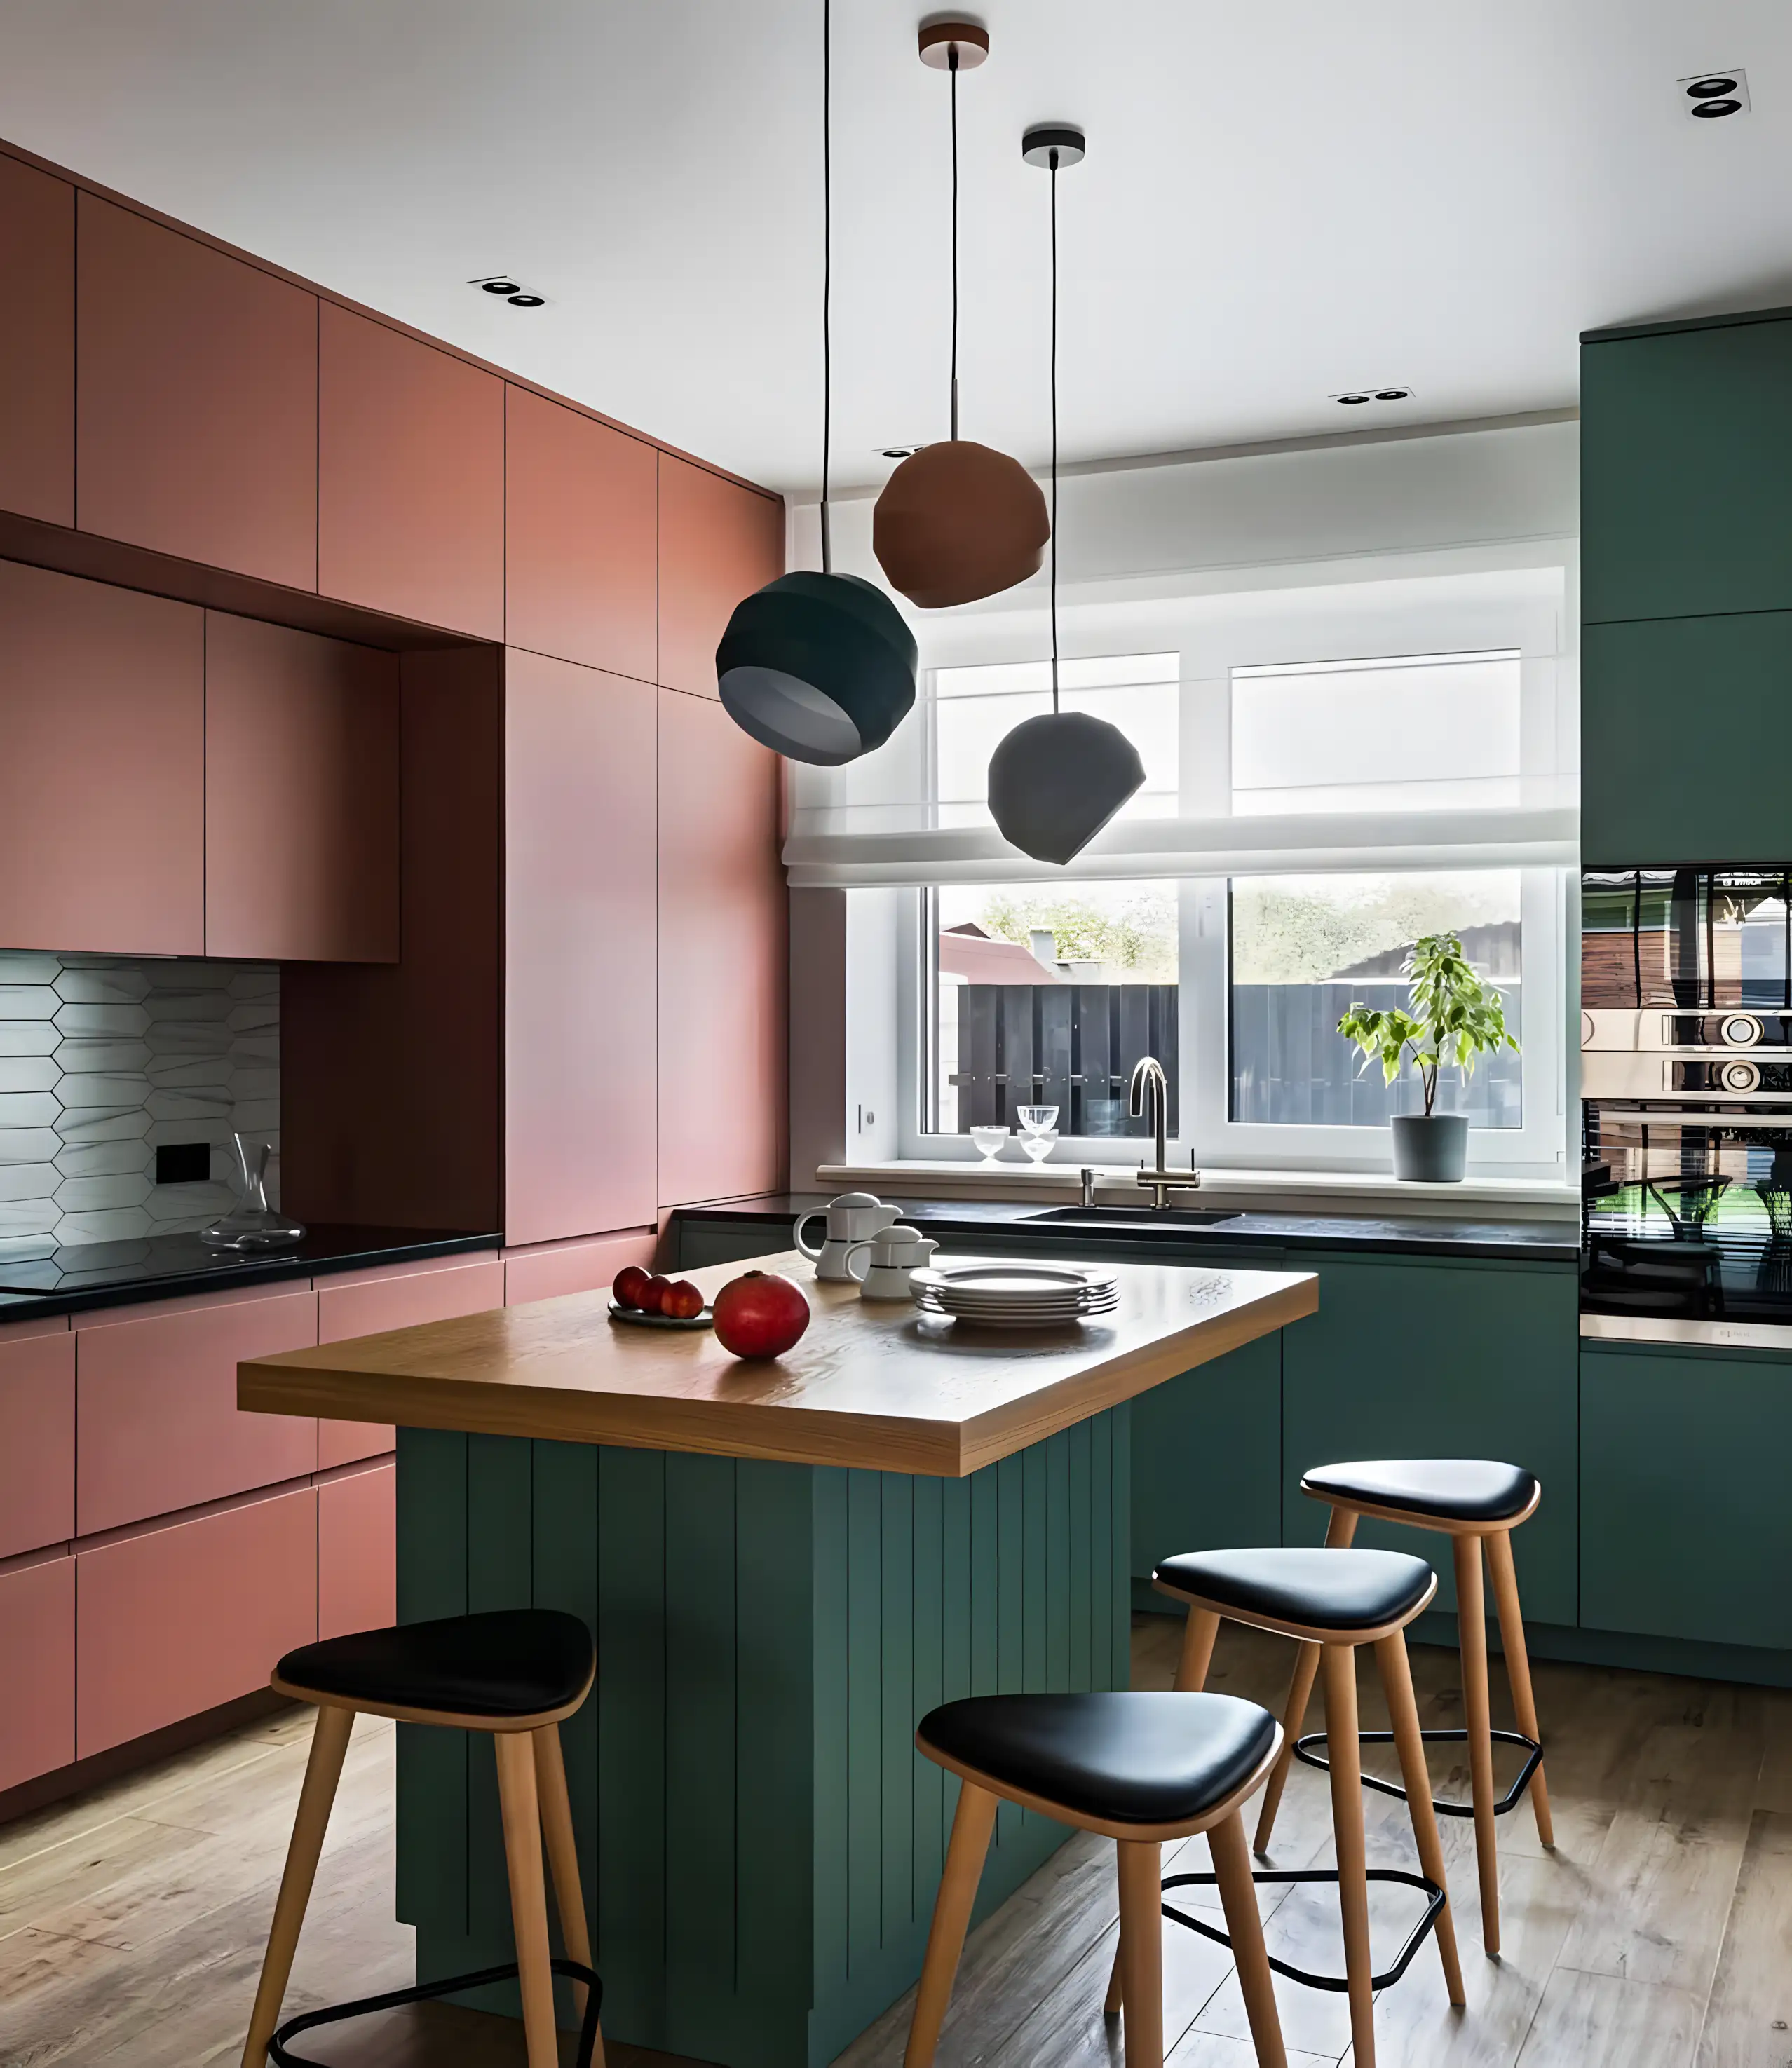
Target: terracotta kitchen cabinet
{"points": [[722, 956], [157, 1427], [718, 543], [102, 771], [357, 1568], [579, 948], [410, 517], [184, 1615], [37, 343], [302, 740], [37, 1663], [580, 500], [37, 1438], [196, 401]]}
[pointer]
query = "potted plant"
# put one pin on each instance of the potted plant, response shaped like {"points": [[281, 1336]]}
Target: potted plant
{"points": [[1454, 1018]]}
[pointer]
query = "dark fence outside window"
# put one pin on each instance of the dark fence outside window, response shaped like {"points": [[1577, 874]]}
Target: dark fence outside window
{"points": [[1073, 1046]]}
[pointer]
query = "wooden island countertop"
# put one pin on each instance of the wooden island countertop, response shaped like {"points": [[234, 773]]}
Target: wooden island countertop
{"points": [[871, 1384]]}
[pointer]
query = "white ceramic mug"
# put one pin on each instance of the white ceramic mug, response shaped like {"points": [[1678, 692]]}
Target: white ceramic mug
{"points": [[888, 1257], [855, 1217]]}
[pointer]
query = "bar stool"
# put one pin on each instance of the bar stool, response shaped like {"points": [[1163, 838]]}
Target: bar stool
{"points": [[514, 1673], [1335, 1600], [1140, 1769], [1470, 1500]]}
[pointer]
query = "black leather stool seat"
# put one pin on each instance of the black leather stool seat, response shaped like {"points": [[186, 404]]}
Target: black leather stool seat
{"points": [[504, 1662], [1125, 1758], [1323, 1589], [1453, 1489]]}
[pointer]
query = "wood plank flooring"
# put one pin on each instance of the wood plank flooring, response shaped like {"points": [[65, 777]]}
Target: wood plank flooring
{"points": [[1658, 1935]]}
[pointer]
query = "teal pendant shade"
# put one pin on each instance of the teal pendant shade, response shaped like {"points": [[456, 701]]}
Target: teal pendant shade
{"points": [[819, 667], [1055, 780]]}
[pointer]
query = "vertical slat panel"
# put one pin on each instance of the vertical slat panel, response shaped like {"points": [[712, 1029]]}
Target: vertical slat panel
{"points": [[832, 1728], [565, 1552], [630, 1700], [864, 1714], [432, 1764], [1100, 1541], [701, 1780], [1081, 1554], [956, 1613], [1119, 1420], [1011, 1602], [929, 1679], [500, 1526], [1057, 1562], [897, 1549]]}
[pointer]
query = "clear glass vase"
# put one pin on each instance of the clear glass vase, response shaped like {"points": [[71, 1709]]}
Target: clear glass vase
{"points": [[251, 1223]]}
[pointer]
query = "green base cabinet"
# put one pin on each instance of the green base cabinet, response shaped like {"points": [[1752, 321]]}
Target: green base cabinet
{"points": [[1425, 1358], [1207, 1450], [759, 1842], [1686, 1526]]}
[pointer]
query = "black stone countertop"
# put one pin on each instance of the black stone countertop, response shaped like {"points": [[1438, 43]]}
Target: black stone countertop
{"points": [[82, 1275], [1410, 1235]]}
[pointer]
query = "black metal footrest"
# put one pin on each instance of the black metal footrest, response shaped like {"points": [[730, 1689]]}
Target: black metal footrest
{"points": [[1303, 1750], [425, 1992], [1433, 1908]]}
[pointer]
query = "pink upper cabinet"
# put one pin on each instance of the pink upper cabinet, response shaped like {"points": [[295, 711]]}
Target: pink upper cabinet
{"points": [[579, 933], [102, 768], [722, 958], [37, 343], [579, 528], [301, 795], [197, 400], [411, 484], [718, 543]]}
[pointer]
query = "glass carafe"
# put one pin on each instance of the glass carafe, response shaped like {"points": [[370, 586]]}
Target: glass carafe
{"points": [[251, 1223]]}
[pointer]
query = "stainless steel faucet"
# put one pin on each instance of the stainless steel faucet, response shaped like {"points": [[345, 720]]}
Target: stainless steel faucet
{"points": [[1158, 1181]]}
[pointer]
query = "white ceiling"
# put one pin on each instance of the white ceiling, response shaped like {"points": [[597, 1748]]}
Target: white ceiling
{"points": [[1281, 200]]}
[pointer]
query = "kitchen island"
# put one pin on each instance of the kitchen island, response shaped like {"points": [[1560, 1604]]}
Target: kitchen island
{"points": [[785, 1565]]}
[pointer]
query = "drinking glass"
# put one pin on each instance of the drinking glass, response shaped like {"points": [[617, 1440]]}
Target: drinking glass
{"points": [[989, 1141], [1036, 1119]]}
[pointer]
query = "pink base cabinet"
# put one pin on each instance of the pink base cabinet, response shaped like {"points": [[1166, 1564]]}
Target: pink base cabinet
{"points": [[357, 1525], [36, 1645]]}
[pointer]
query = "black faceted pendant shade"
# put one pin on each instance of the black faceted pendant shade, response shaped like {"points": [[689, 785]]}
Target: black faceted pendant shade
{"points": [[819, 667], [1055, 780]]}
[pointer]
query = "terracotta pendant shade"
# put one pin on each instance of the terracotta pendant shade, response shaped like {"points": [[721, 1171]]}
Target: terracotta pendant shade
{"points": [[819, 667], [1055, 780], [958, 521]]}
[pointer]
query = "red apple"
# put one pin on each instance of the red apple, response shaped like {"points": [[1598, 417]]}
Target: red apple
{"points": [[681, 1301], [761, 1314], [653, 1293], [629, 1286]]}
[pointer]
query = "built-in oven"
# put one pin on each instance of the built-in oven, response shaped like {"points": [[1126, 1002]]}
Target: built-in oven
{"points": [[1686, 1102]]}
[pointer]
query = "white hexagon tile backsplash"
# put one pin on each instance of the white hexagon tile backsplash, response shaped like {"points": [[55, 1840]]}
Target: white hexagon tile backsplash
{"points": [[102, 1060]]}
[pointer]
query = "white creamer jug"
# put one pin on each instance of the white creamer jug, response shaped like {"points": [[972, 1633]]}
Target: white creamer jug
{"points": [[882, 1265], [855, 1217]]}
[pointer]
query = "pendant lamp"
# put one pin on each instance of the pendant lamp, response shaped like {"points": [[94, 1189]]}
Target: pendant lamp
{"points": [[958, 520], [1055, 780], [820, 667]]}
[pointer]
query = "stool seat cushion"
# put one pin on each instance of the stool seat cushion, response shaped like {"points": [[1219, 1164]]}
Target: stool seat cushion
{"points": [[1125, 1758], [504, 1662], [1324, 1588], [1453, 1489]]}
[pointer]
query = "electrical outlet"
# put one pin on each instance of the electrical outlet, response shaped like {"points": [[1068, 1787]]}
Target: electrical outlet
{"points": [[183, 1163]]}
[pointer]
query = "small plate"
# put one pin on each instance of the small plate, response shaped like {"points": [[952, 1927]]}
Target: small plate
{"points": [[636, 1319]]}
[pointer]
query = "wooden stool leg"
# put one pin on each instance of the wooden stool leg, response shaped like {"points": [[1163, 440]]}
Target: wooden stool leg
{"points": [[562, 1858], [323, 1770], [1402, 1710], [1339, 1531], [1231, 1867], [1337, 1664], [971, 1825], [522, 1815], [1524, 1702], [1142, 1949], [1471, 1626]]}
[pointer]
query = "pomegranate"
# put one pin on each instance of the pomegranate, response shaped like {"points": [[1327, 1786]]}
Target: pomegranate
{"points": [[761, 1314]]}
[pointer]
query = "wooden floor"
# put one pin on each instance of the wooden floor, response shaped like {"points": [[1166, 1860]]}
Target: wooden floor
{"points": [[1658, 1935]]}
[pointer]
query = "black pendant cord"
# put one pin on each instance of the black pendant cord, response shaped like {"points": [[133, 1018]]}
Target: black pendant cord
{"points": [[827, 275], [952, 68], [1054, 435]]}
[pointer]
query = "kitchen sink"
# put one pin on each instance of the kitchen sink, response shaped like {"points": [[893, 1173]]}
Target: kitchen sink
{"points": [[1139, 1216]]}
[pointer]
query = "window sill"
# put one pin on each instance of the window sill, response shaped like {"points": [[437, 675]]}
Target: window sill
{"points": [[1263, 1191]]}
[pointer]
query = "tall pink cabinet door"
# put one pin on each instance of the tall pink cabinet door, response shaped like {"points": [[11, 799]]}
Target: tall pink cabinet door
{"points": [[196, 401], [579, 941], [722, 956], [410, 477], [37, 343], [718, 543], [579, 571], [37, 1438], [301, 795], [102, 768]]}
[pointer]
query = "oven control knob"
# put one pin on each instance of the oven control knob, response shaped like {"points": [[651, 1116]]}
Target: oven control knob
{"points": [[1741, 1030], [1739, 1077]]}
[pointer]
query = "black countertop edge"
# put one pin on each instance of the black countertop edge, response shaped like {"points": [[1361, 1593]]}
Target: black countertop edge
{"points": [[325, 1250], [1413, 1234]]}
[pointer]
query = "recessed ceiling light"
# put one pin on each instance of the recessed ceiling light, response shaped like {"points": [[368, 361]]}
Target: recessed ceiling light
{"points": [[1713, 95], [1353, 398], [512, 289]]}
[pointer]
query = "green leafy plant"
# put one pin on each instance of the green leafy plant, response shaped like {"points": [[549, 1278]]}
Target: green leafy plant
{"points": [[1454, 1017]]}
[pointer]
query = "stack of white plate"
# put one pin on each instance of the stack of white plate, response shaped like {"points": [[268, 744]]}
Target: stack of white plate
{"points": [[1015, 1295]]}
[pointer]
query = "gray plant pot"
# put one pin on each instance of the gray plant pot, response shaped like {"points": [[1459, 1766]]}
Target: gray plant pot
{"points": [[1431, 1149]]}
